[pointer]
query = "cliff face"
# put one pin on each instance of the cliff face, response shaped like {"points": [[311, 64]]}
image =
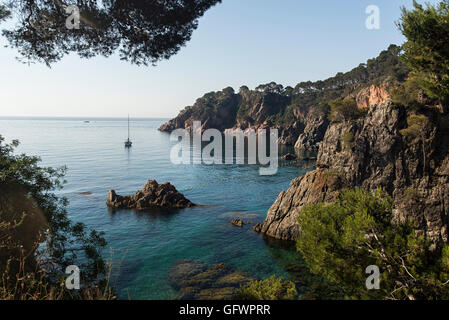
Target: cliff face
{"points": [[377, 156], [314, 187], [374, 94], [313, 133]]}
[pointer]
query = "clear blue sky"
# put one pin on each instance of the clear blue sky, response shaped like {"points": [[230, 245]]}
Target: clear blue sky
{"points": [[237, 42]]}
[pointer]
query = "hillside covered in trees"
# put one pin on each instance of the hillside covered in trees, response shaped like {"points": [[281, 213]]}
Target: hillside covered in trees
{"points": [[302, 110]]}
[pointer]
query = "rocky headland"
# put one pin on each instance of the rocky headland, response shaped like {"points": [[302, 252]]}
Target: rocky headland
{"points": [[299, 113]]}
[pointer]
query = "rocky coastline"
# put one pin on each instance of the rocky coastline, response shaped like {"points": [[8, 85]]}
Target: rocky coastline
{"points": [[379, 156]]}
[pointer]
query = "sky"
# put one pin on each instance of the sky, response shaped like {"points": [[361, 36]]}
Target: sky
{"points": [[238, 42]]}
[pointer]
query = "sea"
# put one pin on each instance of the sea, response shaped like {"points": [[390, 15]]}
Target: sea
{"points": [[142, 246]]}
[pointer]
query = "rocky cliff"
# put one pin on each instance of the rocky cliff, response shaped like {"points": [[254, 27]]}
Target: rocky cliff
{"points": [[374, 94], [299, 113], [313, 133], [414, 171]]}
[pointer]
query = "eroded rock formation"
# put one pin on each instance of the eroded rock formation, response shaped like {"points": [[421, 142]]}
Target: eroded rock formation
{"points": [[153, 195]]}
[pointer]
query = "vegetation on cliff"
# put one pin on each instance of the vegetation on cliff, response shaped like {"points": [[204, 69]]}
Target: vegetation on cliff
{"points": [[427, 50], [344, 110], [340, 240], [288, 108], [361, 228]]}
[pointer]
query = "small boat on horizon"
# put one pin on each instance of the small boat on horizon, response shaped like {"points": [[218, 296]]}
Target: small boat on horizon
{"points": [[128, 143]]}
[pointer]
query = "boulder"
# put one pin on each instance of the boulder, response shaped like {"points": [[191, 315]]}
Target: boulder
{"points": [[237, 222]]}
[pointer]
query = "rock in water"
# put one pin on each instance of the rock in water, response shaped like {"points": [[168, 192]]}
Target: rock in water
{"points": [[153, 195], [289, 156], [237, 222]]}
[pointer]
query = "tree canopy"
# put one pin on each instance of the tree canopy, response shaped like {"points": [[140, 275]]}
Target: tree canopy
{"points": [[340, 240], [141, 31], [344, 109], [427, 47]]}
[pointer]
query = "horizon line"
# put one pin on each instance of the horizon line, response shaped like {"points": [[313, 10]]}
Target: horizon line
{"points": [[81, 117]]}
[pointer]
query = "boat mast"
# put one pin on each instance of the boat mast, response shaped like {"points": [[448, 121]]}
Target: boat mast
{"points": [[128, 127]]}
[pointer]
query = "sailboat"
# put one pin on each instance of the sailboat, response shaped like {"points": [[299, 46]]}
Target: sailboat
{"points": [[128, 143]]}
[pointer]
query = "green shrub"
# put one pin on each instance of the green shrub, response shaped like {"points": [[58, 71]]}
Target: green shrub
{"points": [[412, 194], [269, 289], [344, 110], [347, 139], [339, 241]]}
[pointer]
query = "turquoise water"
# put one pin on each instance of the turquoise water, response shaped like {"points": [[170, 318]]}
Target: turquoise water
{"points": [[143, 246]]}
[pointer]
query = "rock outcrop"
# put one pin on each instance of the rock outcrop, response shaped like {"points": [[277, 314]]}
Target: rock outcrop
{"points": [[373, 95], [314, 187], [237, 222], [153, 195], [313, 133], [378, 156]]}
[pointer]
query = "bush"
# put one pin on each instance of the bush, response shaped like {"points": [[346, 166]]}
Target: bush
{"points": [[344, 110], [339, 241], [347, 139], [412, 194], [409, 94], [269, 289]]}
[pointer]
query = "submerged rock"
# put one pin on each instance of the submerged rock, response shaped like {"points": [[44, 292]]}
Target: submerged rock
{"points": [[153, 195], [194, 280], [239, 222]]}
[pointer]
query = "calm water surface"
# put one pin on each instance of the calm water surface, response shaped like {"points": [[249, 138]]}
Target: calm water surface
{"points": [[143, 246]]}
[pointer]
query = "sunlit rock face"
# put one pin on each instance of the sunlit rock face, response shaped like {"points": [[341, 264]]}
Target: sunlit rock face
{"points": [[373, 95]]}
